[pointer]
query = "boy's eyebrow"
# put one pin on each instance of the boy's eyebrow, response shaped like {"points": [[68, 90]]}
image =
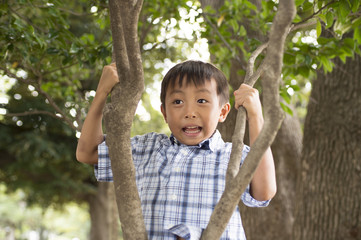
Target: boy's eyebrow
{"points": [[200, 90], [175, 91], [204, 90]]}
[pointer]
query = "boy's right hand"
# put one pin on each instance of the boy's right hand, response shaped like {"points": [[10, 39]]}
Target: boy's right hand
{"points": [[108, 79]]}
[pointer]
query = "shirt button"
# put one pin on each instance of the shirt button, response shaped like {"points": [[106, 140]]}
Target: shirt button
{"points": [[177, 169], [173, 197]]}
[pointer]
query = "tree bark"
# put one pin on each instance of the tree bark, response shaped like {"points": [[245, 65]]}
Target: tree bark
{"points": [[276, 220], [103, 213], [270, 69], [329, 188], [119, 114]]}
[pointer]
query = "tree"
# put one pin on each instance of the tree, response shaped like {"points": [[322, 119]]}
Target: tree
{"points": [[29, 48], [329, 199], [49, 44], [119, 114], [237, 30], [120, 150], [55, 52], [301, 59]]}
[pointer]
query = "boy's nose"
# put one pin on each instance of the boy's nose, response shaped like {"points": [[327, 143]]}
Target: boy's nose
{"points": [[190, 113]]}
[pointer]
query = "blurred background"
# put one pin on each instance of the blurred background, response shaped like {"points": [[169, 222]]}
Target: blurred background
{"points": [[51, 57]]}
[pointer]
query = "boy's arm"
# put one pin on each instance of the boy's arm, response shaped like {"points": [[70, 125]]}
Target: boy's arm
{"points": [[92, 132], [263, 185]]}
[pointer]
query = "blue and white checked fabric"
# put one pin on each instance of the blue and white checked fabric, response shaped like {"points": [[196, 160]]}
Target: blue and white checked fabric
{"points": [[180, 185]]}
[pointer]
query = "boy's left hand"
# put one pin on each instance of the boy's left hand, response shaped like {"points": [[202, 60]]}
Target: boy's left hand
{"points": [[248, 97]]}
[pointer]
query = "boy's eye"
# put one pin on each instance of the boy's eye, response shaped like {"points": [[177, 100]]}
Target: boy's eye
{"points": [[202, 101], [177, 101]]}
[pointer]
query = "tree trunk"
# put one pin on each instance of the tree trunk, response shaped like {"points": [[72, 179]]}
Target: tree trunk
{"points": [[330, 197], [119, 114], [276, 220], [270, 69], [103, 213]]}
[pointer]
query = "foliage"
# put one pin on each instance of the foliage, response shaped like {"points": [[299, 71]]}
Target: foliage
{"points": [[55, 51], [307, 49]]}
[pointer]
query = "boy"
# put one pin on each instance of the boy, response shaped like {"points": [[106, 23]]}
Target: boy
{"points": [[181, 178]]}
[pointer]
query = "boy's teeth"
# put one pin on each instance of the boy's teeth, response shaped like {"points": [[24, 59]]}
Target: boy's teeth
{"points": [[192, 129]]}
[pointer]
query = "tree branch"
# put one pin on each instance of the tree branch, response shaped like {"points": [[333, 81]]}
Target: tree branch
{"points": [[37, 85], [119, 114], [237, 180], [34, 112], [314, 14], [251, 78], [298, 26], [228, 46]]}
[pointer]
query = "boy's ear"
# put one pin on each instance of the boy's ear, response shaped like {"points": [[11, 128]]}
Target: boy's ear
{"points": [[163, 112], [224, 112]]}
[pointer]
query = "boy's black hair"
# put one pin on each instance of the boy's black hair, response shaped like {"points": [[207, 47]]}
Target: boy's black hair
{"points": [[196, 72]]}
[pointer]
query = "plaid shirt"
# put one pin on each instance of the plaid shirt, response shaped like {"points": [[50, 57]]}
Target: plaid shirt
{"points": [[180, 185]]}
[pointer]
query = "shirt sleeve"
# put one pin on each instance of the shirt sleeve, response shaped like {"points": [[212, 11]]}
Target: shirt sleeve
{"points": [[249, 201], [103, 170], [186, 232], [246, 197]]}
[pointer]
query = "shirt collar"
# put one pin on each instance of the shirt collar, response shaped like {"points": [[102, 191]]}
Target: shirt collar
{"points": [[211, 143]]}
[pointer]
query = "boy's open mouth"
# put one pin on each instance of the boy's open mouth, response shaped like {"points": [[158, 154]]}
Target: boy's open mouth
{"points": [[192, 130]]}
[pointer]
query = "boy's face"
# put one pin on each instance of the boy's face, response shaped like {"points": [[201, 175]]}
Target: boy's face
{"points": [[192, 113]]}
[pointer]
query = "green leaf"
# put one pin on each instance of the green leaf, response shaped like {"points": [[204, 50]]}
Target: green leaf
{"points": [[322, 17], [295, 87], [242, 31], [357, 35], [323, 41], [52, 50], [300, 58], [284, 94], [358, 51], [289, 58], [355, 4], [74, 48], [326, 63], [299, 2], [286, 109], [329, 19], [318, 28], [304, 71], [343, 11], [19, 24], [234, 24]]}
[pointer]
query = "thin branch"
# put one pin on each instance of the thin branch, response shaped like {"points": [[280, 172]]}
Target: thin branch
{"points": [[56, 107], [37, 85], [298, 26], [8, 73], [304, 21], [237, 180], [250, 77], [75, 13], [33, 112], [228, 46], [28, 21], [60, 68]]}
